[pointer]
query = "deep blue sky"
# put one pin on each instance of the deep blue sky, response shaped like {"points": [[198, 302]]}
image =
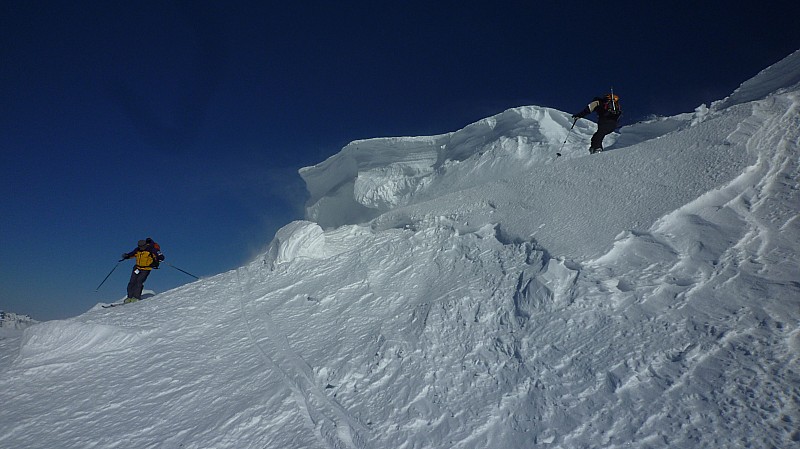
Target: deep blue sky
{"points": [[187, 121]]}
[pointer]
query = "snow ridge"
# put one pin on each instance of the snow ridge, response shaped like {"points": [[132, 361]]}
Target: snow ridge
{"points": [[370, 177]]}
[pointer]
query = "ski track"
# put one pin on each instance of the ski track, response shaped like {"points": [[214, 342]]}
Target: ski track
{"points": [[326, 418]]}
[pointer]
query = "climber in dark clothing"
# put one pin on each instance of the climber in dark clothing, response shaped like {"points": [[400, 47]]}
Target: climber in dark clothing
{"points": [[608, 113]]}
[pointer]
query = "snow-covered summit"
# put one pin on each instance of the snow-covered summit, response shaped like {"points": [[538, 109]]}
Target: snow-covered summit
{"points": [[472, 290]]}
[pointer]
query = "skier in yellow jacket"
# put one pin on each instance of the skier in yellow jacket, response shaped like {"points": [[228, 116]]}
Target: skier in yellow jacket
{"points": [[148, 256]]}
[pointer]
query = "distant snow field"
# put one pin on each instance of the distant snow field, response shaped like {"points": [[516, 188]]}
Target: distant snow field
{"points": [[472, 290]]}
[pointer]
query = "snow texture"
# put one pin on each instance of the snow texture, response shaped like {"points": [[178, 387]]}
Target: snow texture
{"points": [[472, 290], [13, 321]]}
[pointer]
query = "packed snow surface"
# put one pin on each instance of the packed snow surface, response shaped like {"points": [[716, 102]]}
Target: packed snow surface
{"points": [[472, 290]]}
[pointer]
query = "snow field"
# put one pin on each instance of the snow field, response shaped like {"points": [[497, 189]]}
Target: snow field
{"points": [[472, 290]]}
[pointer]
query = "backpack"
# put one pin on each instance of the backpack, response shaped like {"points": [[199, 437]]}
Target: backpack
{"points": [[155, 249], [610, 106]]}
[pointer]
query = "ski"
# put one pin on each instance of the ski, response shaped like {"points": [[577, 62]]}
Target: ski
{"points": [[115, 304]]}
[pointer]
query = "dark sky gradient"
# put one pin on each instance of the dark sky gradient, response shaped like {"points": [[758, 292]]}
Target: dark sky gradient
{"points": [[187, 121]]}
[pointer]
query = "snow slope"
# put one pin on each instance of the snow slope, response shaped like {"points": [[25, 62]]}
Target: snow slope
{"points": [[473, 290]]}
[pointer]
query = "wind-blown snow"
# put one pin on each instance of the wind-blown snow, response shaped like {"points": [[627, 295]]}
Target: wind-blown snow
{"points": [[371, 177], [780, 77], [473, 290]]}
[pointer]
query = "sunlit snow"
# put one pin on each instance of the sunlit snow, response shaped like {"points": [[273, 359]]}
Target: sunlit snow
{"points": [[472, 290]]}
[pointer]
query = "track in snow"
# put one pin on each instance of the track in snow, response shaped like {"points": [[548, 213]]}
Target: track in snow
{"points": [[330, 422]]}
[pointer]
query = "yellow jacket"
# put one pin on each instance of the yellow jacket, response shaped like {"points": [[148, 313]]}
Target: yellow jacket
{"points": [[144, 258]]}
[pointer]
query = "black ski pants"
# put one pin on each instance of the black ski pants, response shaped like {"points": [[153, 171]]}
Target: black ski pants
{"points": [[604, 128], [136, 284]]}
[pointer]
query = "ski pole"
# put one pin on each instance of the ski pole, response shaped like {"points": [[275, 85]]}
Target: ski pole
{"points": [[565, 139], [185, 272], [109, 274], [613, 103]]}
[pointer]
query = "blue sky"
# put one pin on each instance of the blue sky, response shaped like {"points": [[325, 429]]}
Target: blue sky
{"points": [[187, 121]]}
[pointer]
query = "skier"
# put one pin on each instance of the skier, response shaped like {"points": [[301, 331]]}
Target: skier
{"points": [[148, 255], [608, 113]]}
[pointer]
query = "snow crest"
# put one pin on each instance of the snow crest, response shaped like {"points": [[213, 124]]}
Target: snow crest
{"points": [[307, 240], [780, 77], [370, 177]]}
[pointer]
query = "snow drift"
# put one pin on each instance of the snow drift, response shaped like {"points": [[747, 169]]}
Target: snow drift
{"points": [[473, 290], [370, 177]]}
